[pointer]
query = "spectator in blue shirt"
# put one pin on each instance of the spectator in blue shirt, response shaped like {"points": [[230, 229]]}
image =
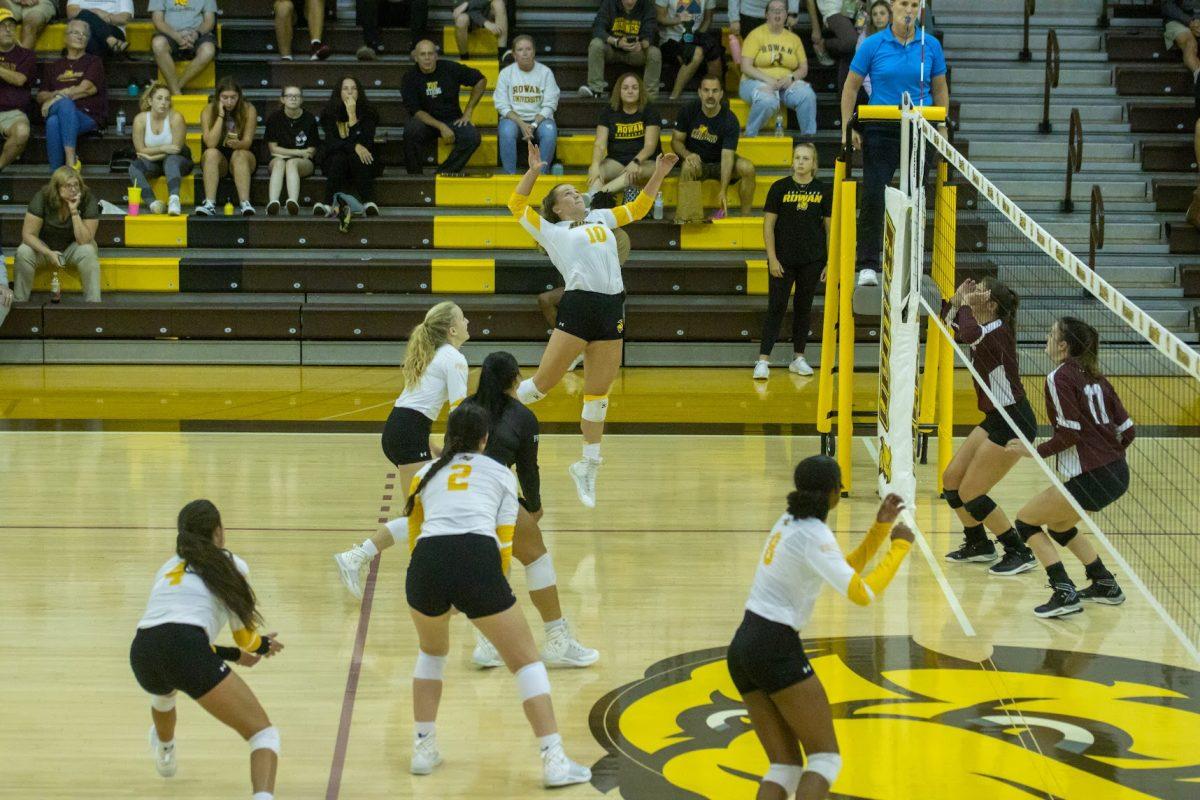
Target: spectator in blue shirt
{"points": [[892, 60]]}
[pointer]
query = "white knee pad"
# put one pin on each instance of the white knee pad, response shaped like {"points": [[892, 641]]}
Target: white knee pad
{"points": [[827, 765], [266, 739], [429, 668], [532, 680], [595, 407], [540, 574], [786, 775], [162, 702], [527, 392]]}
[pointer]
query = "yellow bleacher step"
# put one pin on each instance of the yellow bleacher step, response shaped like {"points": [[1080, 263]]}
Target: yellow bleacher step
{"points": [[206, 80], [480, 42], [120, 274], [576, 150], [138, 34], [155, 230], [463, 275], [733, 233], [757, 276]]}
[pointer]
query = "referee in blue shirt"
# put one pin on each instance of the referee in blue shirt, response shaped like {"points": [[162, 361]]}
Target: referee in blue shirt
{"points": [[892, 59]]}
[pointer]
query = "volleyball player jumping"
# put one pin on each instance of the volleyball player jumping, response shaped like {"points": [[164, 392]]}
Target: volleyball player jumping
{"points": [[435, 373], [460, 513], [983, 316], [196, 593], [513, 439], [591, 316], [766, 658], [1092, 431]]}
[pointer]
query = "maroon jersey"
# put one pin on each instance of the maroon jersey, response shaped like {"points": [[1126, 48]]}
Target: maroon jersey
{"points": [[994, 355], [1091, 427], [66, 73]]}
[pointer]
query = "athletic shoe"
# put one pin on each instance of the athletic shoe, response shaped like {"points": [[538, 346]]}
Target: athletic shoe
{"points": [[173, 207], [584, 472], [320, 210], [558, 770], [293, 208], [365, 53], [158, 207], [823, 58], [1014, 562], [1104, 591], [246, 210], [983, 552], [1065, 600], [425, 755], [485, 655], [164, 755], [206, 209], [371, 210], [562, 650], [800, 367], [273, 208], [576, 364], [586, 91], [867, 277], [353, 564], [320, 51], [762, 370]]}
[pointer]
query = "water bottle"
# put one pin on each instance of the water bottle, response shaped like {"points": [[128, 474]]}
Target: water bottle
{"points": [[228, 208], [557, 168], [121, 122], [658, 206], [55, 289], [132, 91], [779, 126]]}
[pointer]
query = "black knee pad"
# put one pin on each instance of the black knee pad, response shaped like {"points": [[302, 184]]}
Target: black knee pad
{"points": [[1025, 530], [952, 498], [1063, 537], [980, 507]]}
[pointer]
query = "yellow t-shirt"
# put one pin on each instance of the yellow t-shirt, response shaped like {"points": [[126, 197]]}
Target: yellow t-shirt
{"points": [[778, 54]]}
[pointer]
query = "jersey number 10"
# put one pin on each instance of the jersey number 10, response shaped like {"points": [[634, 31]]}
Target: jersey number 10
{"points": [[597, 234]]}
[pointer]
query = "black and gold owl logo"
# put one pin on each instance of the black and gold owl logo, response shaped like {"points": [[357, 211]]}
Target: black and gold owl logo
{"points": [[914, 723], [621, 325]]}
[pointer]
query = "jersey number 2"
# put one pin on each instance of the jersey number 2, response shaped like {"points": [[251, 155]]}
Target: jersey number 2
{"points": [[1095, 398], [457, 481]]}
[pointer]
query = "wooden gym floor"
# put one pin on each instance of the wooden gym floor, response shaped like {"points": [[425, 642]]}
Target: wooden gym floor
{"points": [[948, 688]]}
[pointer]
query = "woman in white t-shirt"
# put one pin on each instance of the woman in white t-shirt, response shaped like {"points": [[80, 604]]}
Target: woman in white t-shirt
{"points": [[435, 373], [107, 20], [766, 658]]}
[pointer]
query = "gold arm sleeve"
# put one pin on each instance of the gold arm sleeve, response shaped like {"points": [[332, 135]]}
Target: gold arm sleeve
{"points": [[518, 204], [631, 212], [416, 517], [867, 548], [247, 639], [880, 577], [505, 534]]}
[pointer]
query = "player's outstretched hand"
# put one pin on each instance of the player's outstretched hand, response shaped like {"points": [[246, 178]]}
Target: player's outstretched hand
{"points": [[275, 645], [903, 533], [890, 508], [665, 162], [535, 157]]}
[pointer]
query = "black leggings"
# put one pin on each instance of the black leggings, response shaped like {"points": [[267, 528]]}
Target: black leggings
{"points": [[345, 172], [805, 277]]}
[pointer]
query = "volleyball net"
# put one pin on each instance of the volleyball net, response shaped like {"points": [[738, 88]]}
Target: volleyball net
{"points": [[940, 232]]}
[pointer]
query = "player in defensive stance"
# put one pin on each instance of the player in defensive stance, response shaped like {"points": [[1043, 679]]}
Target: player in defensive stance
{"points": [[513, 439], [786, 701], [983, 317], [435, 373], [591, 316], [1092, 430], [196, 593], [460, 513]]}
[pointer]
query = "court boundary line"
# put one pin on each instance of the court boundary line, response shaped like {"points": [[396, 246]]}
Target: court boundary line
{"points": [[934, 567]]}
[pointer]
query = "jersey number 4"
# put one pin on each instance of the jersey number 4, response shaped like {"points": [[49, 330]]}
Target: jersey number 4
{"points": [[457, 480], [1095, 398]]}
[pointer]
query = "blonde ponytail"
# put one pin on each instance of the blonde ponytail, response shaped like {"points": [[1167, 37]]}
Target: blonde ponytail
{"points": [[425, 340]]}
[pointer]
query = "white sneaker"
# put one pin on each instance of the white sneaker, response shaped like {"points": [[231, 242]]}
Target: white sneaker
{"points": [[173, 207], [164, 755], [425, 755], [584, 472], [562, 650], [576, 364], [247, 210], [157, 207], [352, 564], [586, 91], [485, 655], [206, 209], [867, 277], [558, 770], [762, 370], [800, 367]]}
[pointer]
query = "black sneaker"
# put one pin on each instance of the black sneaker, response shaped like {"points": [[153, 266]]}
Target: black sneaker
{"points": [[1065, 600], [983, 552], [1014, 562], [1104, 591]]}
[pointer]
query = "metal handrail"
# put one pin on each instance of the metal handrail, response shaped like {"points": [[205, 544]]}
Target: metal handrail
{"points": [[1030, 9], [1053, 67], [1074, 158], [1103, 21], [1095, 226]]}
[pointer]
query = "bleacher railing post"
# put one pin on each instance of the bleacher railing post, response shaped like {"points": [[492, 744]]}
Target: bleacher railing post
{"points": [[1095, 226], [1103, 20], [1030, 9], [829, 324], [846, 336], [1053, 65], [1074, 158]]}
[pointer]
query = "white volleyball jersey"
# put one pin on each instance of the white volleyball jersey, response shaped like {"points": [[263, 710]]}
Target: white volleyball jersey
{"points": [[799, 558], [180, 595], [471, 494], [444, 381]]}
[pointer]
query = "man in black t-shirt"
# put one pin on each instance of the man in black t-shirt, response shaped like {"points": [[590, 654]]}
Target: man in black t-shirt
{"points": [[706, 139], [430, 94]]}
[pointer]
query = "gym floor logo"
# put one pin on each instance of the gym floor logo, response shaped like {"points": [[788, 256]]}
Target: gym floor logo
{"points": [[913, 723]]}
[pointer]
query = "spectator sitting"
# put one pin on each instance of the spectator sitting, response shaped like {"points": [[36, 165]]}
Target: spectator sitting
{"points": [[18, 71], [1181, 19], [623, 32], [107, 20], [227, 132], [526, 98], [706, 139], [348, 162], [285, 23], [626, 139], [160, 141], [60, 231], [72, 96], [773, 70], [367, 15], [879, 19], [430, 94], [185, 32], [835, 27], [473, 14], [293, 138], [746, 15], [684, 27], [32, 16]]}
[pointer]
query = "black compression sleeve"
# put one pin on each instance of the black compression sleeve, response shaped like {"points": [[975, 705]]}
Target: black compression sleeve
{"points": [[227, 653], [527, 466]]}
